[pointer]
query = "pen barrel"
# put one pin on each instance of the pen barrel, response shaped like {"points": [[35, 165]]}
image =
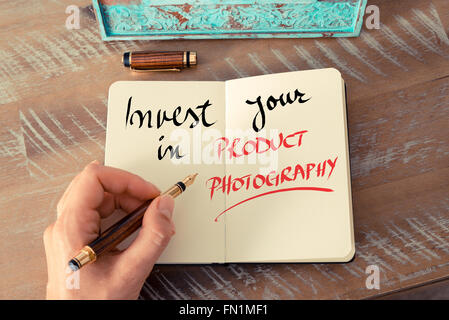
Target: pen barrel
{"points": [[151, 60], [123, 228], [119, 231]]}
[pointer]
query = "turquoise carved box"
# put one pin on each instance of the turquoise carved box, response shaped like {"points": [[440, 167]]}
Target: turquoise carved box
{"points": [[225, 19]]}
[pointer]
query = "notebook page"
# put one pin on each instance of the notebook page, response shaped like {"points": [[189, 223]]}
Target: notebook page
{"points": [[198, 238], [292, 204]]}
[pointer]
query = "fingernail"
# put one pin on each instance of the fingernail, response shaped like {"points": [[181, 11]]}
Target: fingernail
{"points": [[95, 162], [166, 205]]}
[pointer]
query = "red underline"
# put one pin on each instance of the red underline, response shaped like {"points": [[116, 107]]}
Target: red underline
{"points": [[275, 191]]}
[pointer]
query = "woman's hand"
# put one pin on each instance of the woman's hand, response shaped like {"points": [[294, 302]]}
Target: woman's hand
{"points": [[92, 195]]}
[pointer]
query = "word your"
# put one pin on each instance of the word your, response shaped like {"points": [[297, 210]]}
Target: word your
{"points": [[228, 183], [178, 117], [258, 145], [72, 21], [373, 280], [191, 310], [272, 103], [372, 21]]}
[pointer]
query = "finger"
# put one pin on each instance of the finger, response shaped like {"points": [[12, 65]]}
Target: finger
{"points": [[95, 179], [157, 229], [111, 203], [108, 205], [128, 203], [62, 201]]}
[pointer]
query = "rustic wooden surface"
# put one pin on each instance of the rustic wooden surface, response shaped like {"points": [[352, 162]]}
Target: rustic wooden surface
{"points": [[53, 97]]}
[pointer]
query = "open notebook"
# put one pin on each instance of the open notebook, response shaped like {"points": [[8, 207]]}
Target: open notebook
{"points": [[272, 156]]}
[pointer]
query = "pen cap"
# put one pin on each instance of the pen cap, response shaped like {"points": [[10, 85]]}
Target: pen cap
{"points": [[151, 60]]}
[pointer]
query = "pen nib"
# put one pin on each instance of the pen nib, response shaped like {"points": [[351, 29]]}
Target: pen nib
{"points": [[190, 179]]}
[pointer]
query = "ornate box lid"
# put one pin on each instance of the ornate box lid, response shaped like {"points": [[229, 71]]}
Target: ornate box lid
{"points": [[226, 19]]}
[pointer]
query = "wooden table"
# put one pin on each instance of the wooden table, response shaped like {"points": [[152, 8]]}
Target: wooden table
{"points": [[53, 96]]}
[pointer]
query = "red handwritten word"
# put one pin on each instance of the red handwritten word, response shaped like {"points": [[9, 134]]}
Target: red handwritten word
{"points": [[272, 192], [259, 145], [273, 179]]}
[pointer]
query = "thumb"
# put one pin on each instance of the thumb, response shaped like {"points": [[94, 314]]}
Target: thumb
{"points": [[157, 229]]}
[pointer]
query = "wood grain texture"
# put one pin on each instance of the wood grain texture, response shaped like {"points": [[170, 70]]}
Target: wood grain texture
{"points": [[53, 97]]}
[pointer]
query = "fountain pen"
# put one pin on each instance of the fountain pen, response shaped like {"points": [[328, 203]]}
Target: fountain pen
{"points": [[118, 232]]}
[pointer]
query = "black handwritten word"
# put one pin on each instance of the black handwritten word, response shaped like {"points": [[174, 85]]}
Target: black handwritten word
{"points": [[272, 103], [178, 117], [174, 152]]}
